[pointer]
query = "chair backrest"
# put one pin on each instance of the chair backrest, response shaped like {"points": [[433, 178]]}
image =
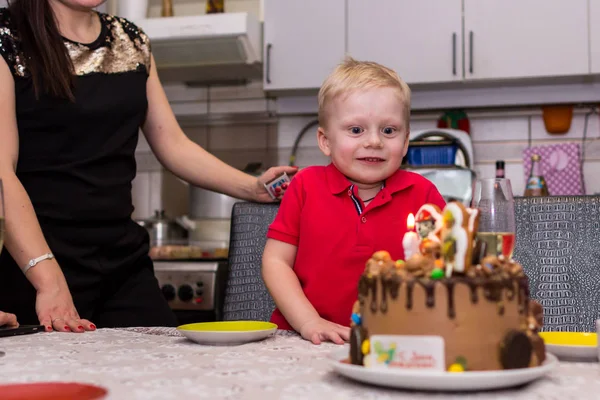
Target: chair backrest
{"points": [[246, 297], [558, 244]]}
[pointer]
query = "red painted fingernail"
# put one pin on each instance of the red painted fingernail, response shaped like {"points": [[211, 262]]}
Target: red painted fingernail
{"points": [[93, 327], [80, 327], [67, 328], [49, 328]]}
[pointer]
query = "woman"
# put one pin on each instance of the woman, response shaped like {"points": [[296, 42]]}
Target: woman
{"points": [[75, 86]]}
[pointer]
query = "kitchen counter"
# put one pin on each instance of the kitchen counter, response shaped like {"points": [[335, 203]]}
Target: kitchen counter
{"points": [[157, 363]]}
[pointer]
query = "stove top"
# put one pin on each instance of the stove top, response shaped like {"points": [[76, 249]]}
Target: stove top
{"points": [[197, 284]]}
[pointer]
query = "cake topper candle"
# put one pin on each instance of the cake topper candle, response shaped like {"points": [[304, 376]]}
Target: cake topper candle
{"points": [[410, 242]]}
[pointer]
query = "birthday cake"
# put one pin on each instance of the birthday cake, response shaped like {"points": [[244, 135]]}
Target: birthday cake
{"points": [[454, 305]]}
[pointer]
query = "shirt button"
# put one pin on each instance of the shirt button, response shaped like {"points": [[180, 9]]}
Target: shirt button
{"points": [[349, 192], [363, 219]]}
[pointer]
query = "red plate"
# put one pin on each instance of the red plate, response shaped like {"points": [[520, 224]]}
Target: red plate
{"points": [[51, 391]]}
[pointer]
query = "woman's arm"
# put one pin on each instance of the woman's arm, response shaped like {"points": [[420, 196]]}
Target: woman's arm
{"points": [[24, 237], [285, 288], [189, 161]]}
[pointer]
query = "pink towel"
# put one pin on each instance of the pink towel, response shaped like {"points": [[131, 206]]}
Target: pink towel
{"points": [[560, 166]]}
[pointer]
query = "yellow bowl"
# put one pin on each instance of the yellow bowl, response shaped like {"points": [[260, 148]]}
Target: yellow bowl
{"points": [[228, 326], [570, 338], [227, 332]]}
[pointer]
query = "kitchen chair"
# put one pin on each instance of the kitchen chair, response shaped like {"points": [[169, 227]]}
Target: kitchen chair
{"points": [[558, 244], [246, 297]]}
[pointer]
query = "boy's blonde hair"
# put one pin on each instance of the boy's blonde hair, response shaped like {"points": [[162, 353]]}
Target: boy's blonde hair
{"points": [[353, 75]]}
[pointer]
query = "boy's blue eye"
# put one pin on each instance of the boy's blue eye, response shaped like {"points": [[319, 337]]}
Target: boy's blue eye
{"points": [[388, 131], [356, 130]]}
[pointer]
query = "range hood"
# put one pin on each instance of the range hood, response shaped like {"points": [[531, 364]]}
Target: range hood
{"points": [[206, 49]]}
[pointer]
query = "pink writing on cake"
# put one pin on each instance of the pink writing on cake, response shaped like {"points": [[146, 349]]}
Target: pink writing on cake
{"points": [[413, 360]]}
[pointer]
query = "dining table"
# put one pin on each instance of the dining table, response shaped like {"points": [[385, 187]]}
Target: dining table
{"points": [[159, 363]]}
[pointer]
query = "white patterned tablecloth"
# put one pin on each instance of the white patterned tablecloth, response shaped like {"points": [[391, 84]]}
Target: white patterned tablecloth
{"points": [[156, 363]]}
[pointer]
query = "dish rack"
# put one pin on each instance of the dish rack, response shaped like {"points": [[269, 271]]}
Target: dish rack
{"points": [[428, 152]]}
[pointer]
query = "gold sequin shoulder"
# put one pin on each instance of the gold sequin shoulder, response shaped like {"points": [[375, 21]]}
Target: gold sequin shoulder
{"points": [[121, 47], [10, 45]]}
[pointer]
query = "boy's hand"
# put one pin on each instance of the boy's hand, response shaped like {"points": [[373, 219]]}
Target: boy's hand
{"points": [[319, 330]]}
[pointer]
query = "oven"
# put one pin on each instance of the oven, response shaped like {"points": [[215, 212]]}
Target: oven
{"points": [[194, 289]]}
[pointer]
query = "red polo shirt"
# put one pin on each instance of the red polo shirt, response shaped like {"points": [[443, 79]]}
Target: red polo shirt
{"points": [[336, 234]]}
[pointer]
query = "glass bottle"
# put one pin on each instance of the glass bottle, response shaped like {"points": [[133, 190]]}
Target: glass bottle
{"points": [[500, 169], [536, 184], [167, 8], [215, 6]]}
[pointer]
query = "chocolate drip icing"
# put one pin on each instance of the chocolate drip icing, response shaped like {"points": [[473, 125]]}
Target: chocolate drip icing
{"points": [[493, 290], [510, 291], [450, 288], [389, 284], [429, 290], [523, 295], [409, 294], [365, 285], [395, 286], [473, 287], [385, 284]]}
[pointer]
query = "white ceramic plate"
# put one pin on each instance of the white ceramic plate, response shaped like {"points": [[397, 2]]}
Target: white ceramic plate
{"points": [[440, 381], [574, 346], [227, 332], [566, 352]]}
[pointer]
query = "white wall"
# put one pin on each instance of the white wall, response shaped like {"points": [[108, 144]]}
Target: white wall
{"points": [[496, 135]]}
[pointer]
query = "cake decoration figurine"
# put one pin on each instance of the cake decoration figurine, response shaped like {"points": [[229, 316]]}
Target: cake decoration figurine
{"points": [[452, 309], [458, 236], [429, 224]]}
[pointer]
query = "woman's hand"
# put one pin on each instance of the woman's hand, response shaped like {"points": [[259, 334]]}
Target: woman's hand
{"points": [[55, 310], [319, 330], [8, 319], [261, 195]]}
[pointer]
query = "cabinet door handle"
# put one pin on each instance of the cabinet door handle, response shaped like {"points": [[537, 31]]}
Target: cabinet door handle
{"points": [[268, 61], [471, 52], [454, 53]]}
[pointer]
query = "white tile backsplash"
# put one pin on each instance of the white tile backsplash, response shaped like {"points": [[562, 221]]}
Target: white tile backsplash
{"points": [[290, 127], [496, 135], [198, 134], [538, 130], [421, 124], [238, 137], [499, 129]]}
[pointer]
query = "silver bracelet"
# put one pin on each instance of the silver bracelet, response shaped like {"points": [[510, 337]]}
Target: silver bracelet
{"points": [[34, 261]]}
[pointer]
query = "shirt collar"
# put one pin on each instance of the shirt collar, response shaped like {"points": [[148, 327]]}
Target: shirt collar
{"points": [[338, 183]]}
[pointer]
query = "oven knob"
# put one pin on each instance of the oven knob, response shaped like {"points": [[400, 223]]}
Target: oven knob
{"points": [[185, 292], [168, 292], [199, 291]]}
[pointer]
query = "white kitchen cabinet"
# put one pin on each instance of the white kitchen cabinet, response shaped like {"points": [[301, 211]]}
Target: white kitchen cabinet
{"points": [[594, 36], [303, 42], [525, 38], [420, 40]]}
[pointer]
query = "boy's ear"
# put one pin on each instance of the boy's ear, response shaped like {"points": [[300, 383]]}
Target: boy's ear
{"points": [[323, 141]]}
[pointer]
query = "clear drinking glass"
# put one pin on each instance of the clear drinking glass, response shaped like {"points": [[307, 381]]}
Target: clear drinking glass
{"points": [[497, 228]]}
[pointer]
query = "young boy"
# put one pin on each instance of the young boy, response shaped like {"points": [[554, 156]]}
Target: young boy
{"points": [[332, 219]]}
